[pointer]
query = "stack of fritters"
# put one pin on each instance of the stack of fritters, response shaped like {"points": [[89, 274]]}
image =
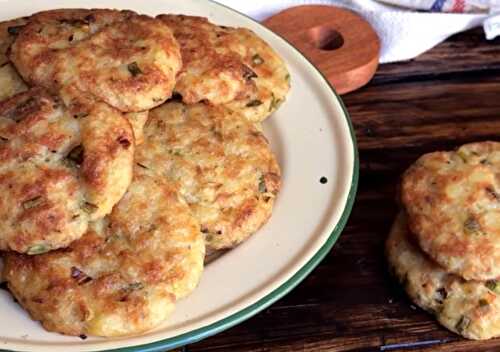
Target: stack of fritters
{"points": [[111, 190], [444, 246]]}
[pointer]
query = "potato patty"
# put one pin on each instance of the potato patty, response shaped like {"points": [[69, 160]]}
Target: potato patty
{"points": [[221, 163], [468, 308], [232, 66], [60, 167], [452, 200], [124, 275], [128, 61]]}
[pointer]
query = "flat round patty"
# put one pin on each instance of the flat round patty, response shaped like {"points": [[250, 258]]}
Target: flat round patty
{"points": [[453, 203], [124, 275], [128, 61], [224, 65], [468, 308], [60, 167], [221, 163]]}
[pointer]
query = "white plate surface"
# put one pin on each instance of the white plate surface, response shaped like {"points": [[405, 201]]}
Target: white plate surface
{"points": [[311, 136]]}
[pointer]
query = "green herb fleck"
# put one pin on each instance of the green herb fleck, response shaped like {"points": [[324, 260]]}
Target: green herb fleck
{"points": [[472, 226], [80, 277], [275, 102], [287, 77], [262, 185], [14, 30], [491, 285], [76, 155], [79, 115], [21, 110], [257, 60], [462, 324], [32, 203], [37, 249], [112, 237], [89, 208], [248, 73], [442, 294], [134, 69], [483, 303], [254, 103], [136, 286], [462, 156], [492, 193]]}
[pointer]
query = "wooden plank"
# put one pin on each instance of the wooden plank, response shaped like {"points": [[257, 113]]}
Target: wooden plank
{"points": [[447, 97], [464, 52]]}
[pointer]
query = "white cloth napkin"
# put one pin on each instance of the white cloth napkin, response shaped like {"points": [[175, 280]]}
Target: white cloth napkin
{"points": [[404, 32]]}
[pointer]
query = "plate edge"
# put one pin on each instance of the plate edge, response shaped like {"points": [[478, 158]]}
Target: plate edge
{"points": [[292, 282]]}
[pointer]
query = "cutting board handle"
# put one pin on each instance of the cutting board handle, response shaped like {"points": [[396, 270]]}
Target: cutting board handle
{"points": [[340, 43]]}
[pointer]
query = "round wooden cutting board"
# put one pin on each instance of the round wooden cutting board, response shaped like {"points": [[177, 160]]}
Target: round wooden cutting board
{"points": [[339, 42]]}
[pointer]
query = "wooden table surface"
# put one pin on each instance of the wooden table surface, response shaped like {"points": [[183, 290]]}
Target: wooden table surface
{"points": [[444, 98]]}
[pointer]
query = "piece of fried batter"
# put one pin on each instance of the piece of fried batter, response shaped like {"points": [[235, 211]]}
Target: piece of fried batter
{"points": [[231, 66], [124, 275], [468, 308], [221, 163], [128, 61], [452, 200], [60, 167]]}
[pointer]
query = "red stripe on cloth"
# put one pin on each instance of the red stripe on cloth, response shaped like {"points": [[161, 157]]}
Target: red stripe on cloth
{"points": [[458, 6]]}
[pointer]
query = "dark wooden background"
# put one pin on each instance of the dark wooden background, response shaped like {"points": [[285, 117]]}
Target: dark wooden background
{"points": [[444, 98]]}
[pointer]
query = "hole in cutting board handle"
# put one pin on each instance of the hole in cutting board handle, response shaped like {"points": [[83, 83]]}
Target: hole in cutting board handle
{"points": [[339, 42], [325, 38]]}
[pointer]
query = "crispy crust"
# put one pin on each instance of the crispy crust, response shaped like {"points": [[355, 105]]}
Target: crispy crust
{"points": [[224, 65], [468, 308], [137, 121], [50, 188], [124, 275], [222, 164], [128, 61], [10, 82], [452, 200]]}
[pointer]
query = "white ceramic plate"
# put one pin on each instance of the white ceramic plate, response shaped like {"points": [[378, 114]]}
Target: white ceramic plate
{"points": [[312, 136]]}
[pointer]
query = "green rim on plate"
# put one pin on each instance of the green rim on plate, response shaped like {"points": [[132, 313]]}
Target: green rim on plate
{"points": [[291, 283]]}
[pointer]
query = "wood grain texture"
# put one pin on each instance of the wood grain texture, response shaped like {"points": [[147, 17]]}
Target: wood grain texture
{"points": [[446, 97], [339, 42]]}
